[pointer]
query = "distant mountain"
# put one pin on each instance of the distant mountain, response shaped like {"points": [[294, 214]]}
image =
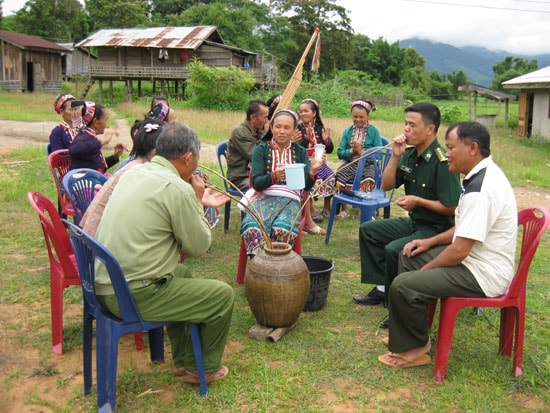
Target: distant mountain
{"points": [[477, 62]]}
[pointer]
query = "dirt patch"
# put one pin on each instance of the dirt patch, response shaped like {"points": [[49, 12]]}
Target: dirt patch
{"points": [[14, 134]]}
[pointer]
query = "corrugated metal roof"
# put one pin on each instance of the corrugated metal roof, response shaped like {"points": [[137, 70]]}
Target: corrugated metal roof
{"points": [[537, 78], [24, 41], [156, 37]]}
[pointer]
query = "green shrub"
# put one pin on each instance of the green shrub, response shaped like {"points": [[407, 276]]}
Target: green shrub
{"points": [[450, 114], [218, 87]]}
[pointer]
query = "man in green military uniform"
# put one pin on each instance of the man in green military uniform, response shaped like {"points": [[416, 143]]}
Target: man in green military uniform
{"points": [[431, 196]]}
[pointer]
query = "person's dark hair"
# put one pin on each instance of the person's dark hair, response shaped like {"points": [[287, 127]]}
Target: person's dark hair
{"points": [[285, 112], [469, 132], [145, 134], [176, 140], [254, 107], [159, 99], [272, 104], [428, 111], [314, 106]]}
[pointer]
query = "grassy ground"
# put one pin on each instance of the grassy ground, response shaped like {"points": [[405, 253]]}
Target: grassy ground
{"points": [[326, 364]]}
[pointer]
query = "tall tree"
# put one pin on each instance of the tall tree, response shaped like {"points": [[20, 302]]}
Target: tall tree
{"points": [[117, 13], [235, 24], [511, 67], [304, 16], [174, 7], [55, 20]]}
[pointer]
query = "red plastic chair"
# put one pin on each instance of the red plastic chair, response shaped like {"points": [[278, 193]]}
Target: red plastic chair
{"points": [[243, 256], [59, 166], [63, 269], [535, 221]]}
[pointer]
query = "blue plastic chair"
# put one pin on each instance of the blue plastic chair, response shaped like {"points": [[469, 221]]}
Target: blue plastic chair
{"points": [[110, 328], [221, 151], [48, 148], [81, 185], [367, 202]]}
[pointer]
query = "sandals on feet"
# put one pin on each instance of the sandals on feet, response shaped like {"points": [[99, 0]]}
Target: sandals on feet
{"points": [[317, 217], [342, 214], [193, 377], [326, 214], [316, 230]]}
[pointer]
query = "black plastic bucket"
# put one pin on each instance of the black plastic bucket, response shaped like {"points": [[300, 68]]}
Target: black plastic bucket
{"points": [[319, 273]]}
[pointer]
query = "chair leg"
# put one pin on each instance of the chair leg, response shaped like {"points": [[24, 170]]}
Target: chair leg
{"points": [[508, 321], [156, 344], [197, 351], [241, 269], [226, 215], [447, 318], [56, 304], [87, 351], [518, 350], [106, 365], [331, 219]]}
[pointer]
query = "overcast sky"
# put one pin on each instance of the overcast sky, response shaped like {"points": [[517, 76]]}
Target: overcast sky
{"points": [[514, 26]]}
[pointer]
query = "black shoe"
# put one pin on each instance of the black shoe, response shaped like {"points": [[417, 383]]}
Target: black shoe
{"points": [[375, 297], [385, 323]]}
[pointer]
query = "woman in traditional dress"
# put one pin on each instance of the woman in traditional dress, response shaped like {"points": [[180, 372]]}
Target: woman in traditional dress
{"points": [[85, 151], [64, 133], [313, 132], [277, 205], [355, 140]]}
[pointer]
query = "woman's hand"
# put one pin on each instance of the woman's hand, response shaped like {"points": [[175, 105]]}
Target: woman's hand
{"points": [[279, 174], [119, 148], [356, 148], [297, 137], [326, 136], [107, 136], [315, 164]]}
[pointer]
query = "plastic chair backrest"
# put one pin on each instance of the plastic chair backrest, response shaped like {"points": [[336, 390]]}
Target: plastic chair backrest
{"points": [[384, 140], [81, 185], [55, 234], [63, 270], [48, 148], [379, 156], [59, 166], [87, 251], [533, 227]]}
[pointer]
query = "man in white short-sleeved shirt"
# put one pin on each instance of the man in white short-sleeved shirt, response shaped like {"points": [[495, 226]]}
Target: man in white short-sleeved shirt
{"points": [[475, 258]]}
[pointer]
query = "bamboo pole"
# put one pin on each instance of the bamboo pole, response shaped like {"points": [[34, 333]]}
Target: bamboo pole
{"points": [[296, 79]]}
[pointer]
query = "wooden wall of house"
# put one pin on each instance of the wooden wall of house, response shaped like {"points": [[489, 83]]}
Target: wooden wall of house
{"points": [[47, 68], [10, 63], [146, 57], [79, 63], [215, 56]]}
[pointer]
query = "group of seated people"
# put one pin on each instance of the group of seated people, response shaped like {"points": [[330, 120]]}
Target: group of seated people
{"points": [[83, 131], [454, 240]]}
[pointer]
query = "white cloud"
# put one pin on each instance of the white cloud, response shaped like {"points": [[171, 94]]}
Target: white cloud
{"points": [[494, 24]]}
